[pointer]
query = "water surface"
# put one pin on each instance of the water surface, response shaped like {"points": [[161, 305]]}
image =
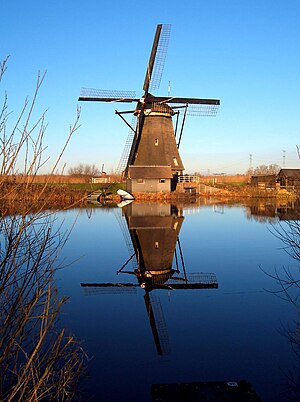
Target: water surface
{"points": [[165, 326]]}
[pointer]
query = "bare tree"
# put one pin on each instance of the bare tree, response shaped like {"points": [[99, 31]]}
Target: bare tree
{"points": [[84, 170], [266, 169], [38, 359]]}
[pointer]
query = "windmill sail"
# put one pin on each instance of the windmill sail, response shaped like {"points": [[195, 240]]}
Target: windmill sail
{"points": [[158, 324], [128, 145], [204, 109], [157, 57], [91, 289], [104, 95]]}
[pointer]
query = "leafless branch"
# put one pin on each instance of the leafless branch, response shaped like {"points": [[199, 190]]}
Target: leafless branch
{"points": [[38, 359]]}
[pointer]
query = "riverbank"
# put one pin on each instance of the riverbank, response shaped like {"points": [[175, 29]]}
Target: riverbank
{"points": [[245, 192], [19, 195]]}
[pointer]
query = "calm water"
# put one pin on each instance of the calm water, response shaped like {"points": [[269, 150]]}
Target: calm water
{"points": [[146, 332]]}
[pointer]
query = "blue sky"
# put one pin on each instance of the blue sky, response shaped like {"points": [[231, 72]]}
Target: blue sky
{"points": [[245, 53]]}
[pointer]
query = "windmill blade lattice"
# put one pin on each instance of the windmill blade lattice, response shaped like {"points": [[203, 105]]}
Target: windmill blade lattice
{"points": [[201, 278], [106, 95], [126, 151], [198, 110], [124, 228], [158, 324], [157, 57], [92, 289]]}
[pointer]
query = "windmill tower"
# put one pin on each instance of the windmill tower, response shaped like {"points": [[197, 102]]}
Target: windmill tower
{"points": [[153, 162]]}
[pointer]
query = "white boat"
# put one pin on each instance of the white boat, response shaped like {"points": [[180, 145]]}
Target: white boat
{"points": [[125, 195], [124, 203]]}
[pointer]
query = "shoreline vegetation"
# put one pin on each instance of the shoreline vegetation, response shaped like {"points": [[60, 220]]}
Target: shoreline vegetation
{"points": [[39, 358], [62, 191]]}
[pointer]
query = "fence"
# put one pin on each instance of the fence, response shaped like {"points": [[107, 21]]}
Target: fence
{"points": [[188, 179]]}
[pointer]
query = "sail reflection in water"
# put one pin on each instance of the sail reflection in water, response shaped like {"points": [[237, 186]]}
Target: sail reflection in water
{"points": [[151, 232]]}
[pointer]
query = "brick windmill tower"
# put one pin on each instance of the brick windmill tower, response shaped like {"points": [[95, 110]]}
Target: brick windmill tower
{"points": [[151, 161]]}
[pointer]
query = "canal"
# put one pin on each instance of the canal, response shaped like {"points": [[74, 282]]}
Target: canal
{"points": [[164, 294]]}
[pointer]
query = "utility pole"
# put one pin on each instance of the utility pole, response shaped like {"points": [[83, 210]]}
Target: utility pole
{"points": [[250, 168], [283, 158]]}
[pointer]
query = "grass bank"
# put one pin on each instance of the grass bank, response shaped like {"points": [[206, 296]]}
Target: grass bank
{"points": [[17, 196]]}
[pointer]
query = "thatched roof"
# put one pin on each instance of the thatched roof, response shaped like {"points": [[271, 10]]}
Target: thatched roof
{"points": [[150, 172]]}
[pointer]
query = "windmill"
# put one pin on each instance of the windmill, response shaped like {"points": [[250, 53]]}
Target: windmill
{"points": [[151, 156], [158, 264]]}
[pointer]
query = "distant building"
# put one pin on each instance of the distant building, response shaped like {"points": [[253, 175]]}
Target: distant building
{"points": [[285, 179], [289, 178], [102, 179], [263, 182]]}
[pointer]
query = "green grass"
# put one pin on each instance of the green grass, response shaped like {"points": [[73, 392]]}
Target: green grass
{"points": [[89, 187]]}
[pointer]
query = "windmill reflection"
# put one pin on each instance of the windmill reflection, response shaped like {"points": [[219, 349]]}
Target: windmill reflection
{"points": [[151, 232]]}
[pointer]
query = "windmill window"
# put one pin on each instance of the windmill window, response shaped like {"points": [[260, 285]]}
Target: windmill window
{"points": [[162, 180], [175, 161], [140, 181], [156, 142]]}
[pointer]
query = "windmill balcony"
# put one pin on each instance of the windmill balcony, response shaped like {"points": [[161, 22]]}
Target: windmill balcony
{"points": [[186, 178]]}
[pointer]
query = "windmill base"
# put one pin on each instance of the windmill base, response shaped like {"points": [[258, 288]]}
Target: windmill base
{"points": [[148, 185]]}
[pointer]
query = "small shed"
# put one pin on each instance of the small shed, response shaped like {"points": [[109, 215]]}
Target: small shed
{"points": [[102, 179], [266, 181], [289, 178], [149, 179]]}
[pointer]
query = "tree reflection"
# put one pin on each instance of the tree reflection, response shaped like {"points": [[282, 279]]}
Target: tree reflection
{"points": [[288, 280], [38, 359]]}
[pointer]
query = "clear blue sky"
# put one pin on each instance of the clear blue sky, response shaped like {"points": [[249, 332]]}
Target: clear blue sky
{"points": [[245, 53]]}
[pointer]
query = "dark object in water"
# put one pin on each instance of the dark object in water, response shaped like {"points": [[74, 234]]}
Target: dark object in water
{"points": [[219, 391]]}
